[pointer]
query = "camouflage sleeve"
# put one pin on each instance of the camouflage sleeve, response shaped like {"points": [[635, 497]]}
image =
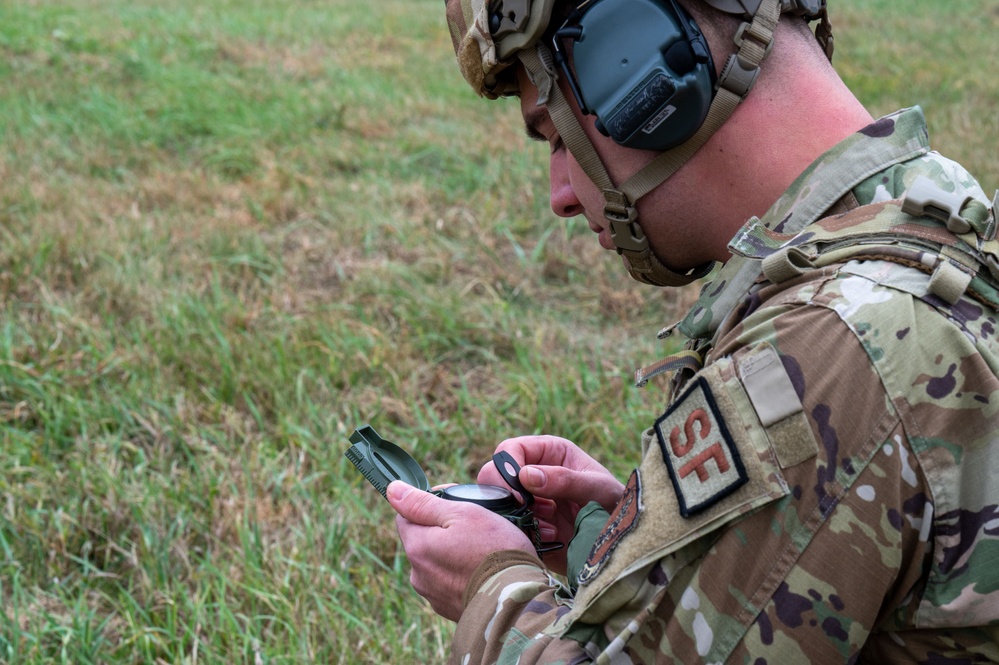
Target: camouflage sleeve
{"points": [[821, 570], [511, 606]]}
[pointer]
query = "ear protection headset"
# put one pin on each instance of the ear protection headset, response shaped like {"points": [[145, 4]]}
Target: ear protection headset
{"points": [[642, 67]]}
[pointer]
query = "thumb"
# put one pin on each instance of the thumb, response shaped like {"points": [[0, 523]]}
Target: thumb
{"points": [[415, 505], [559, 482]]}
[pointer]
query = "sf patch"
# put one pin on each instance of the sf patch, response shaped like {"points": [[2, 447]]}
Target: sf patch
{"points": [[620, 523], [699, 452]]}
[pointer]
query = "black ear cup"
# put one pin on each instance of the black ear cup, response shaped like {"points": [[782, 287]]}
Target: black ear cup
{"points": [[642, 67]]}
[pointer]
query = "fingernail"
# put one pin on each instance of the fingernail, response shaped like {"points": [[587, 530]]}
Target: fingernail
{"points": [[535, 477], [397, 490]]}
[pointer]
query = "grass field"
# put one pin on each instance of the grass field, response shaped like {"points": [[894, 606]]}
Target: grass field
{"points": [[231, 232]]}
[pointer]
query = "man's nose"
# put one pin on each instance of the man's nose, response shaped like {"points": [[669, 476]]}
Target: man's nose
{"points": [[563, 197]]}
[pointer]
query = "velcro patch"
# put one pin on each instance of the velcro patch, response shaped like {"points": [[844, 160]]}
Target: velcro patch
{"points": [[622, 520], [699, 452]]}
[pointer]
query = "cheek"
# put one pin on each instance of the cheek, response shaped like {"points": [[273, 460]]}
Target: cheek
{"points": [[587, 193]]}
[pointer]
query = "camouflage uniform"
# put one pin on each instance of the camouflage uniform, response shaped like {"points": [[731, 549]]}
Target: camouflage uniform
{"points": [[821, 488]]}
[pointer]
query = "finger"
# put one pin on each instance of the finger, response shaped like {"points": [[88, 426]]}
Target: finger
{"points": [[528, 450], [548, 533], [560, 483], [544, 509], [489, 475], [417, 506]]}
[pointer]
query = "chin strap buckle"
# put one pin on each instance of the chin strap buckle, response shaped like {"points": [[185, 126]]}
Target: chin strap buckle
{"points": [[625, 231]]}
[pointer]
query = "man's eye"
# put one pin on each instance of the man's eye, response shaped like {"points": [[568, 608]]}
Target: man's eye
{"points": [[554, 143], [535, 135]]}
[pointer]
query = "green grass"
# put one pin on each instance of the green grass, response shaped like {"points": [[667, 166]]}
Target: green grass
{"points": [[230, 233]]}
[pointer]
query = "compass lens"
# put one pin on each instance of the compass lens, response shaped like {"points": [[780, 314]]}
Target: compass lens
{"points": [[492, 497], [477, 492]]}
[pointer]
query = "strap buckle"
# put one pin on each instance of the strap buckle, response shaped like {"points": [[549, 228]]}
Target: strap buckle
{"points": [[926, 198], [762, 37], [736, 77], [625, 231]]}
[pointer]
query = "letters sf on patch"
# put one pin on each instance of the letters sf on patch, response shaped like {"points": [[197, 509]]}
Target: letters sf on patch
{"points": [[702, 458]]}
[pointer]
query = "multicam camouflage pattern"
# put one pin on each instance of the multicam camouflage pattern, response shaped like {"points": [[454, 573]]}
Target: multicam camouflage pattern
{"points": [[885, 545], [468, 23]]}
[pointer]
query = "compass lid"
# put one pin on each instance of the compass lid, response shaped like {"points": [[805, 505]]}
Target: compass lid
{"points": [[382, 461]]}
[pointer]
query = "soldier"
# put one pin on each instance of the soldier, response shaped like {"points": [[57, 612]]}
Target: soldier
{"points": [[821, 486]]}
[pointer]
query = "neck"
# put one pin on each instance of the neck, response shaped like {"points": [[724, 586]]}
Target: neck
{"points": [[776, 133], [798, 109]]}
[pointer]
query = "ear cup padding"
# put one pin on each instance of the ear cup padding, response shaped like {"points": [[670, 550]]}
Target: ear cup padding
{"points": [[641, 66]]}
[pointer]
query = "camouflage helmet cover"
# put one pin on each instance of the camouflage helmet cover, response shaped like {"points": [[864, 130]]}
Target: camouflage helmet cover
{"points": [[487, 34]]}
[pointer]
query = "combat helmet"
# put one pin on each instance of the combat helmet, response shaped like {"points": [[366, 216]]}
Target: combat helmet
{"points": [[490, 37]]}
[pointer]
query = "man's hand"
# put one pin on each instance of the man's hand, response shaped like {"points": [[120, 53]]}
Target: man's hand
{"points": [[446, 541], [563, 479]]}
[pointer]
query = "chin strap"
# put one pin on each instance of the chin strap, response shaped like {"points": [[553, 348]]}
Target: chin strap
{"points": [[754, 40]]}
